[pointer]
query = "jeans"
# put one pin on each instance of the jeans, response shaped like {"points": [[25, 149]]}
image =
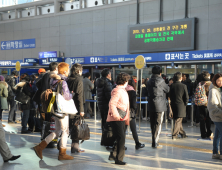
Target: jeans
{"points": [[12, 114], [156, 120], [217, 138], [25, 118], [61, 128]]}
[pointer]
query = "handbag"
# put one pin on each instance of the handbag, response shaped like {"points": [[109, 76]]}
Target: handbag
{"points": [[21, 97], [81, 130], [64, 106], [121, 113]]}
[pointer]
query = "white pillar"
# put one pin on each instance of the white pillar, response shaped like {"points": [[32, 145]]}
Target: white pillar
{"points": [[16, 14], [35, 10], [80, 4], [56, 6]]}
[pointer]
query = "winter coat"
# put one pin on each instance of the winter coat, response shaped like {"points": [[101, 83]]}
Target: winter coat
{"points": [[157, 89], [3, 95], [132, 100], [75, 84], [104, 88], [214, 105], [179, 99], [27, 90], [42, 83], [87, 87], [119, 99]]}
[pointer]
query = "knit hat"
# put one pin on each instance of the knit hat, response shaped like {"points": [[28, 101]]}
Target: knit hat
{"points": [[2, 78]]}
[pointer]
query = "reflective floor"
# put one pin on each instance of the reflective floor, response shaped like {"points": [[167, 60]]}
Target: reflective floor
{"points": [[189, 153]]}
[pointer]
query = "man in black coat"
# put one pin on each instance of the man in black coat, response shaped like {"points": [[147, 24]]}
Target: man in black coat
{"points": [[157, 89], [104, 88], [179, 98], [75, 84]]}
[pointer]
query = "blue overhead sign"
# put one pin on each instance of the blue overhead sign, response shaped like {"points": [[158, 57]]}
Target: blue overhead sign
{"points": [[10, 63], [152, 57], [55, 59], [17, 44], [31, 60], [47, 54]]}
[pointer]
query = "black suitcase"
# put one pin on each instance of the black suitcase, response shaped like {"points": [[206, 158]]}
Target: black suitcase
{"points": [[107, 136]]}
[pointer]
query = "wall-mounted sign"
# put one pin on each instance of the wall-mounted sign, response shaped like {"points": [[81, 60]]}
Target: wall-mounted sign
{"points": [[17, 44], [55, 59], [162, 36], [31, 60], [12, 63], [47, 54]]}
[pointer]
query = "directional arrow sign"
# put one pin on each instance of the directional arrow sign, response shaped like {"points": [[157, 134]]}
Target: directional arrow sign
{"points": [[2, 45]]}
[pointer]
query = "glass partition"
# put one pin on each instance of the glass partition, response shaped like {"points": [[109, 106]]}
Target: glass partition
{"points": [[217, 68], [204, 67], [189, 70]]}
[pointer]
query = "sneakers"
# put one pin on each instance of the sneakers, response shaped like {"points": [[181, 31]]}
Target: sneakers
{"points": [[216, 156]]}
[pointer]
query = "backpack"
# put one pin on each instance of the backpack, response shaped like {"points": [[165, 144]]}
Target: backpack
{"points": [[46, 97], [200, 97]]}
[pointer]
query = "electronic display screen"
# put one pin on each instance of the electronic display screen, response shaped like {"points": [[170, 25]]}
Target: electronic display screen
{"points": [[162, 36]]}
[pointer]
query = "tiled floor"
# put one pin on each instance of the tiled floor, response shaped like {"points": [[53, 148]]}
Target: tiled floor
{"points": [[189, 153]]}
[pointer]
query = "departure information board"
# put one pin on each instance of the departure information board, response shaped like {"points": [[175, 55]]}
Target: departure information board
{"points": [[162, 36]]}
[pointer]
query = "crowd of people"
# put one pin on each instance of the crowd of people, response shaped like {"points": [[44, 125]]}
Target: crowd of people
{"points": [[116, 103]]}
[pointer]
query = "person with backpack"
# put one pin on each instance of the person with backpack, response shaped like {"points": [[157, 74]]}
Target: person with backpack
{"points": [[179, 99], [201, 98], [61, 123], [11, 81], [75, 84], [104, 88], [214, 106]]}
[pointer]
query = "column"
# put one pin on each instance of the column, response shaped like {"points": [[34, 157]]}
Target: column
{"points": [[16, 13], [56, 6], [80, 4], [35, 10]]}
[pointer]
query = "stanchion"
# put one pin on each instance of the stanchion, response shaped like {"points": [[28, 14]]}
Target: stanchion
{"points": [[192, 105], [95, 108], [146, 108]]}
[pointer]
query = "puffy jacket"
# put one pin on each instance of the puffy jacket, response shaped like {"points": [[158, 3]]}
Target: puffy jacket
{"points": [[3, 95], [214, 105], [26, 88], [120, 100], [104, 88], [157, 89]]}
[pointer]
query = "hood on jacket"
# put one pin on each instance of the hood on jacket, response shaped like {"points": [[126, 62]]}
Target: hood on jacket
{"points": [[55, 76], [129, 88], [4, 83], [20, 84], [213, 87], [157, 78]]}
